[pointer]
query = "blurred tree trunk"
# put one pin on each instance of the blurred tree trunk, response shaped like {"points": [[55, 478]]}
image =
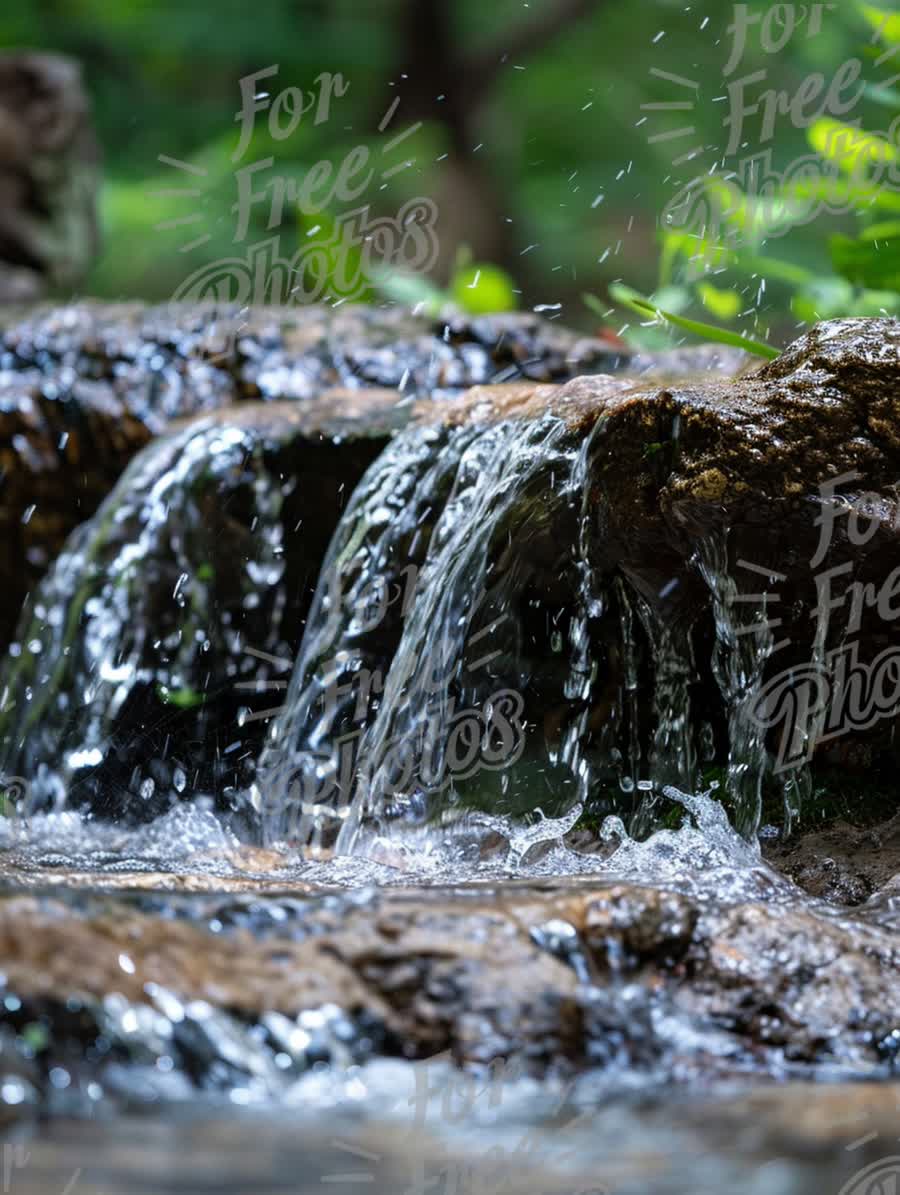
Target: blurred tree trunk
{"points": [[450, 82]]}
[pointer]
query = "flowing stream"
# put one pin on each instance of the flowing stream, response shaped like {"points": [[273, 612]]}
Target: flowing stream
{"points": [[478, 703], [467, 648], [465, 651]]}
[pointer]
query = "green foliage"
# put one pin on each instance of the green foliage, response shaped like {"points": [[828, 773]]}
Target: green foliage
{"points": [[571, 178], [483, 288], [637, 303], [857, 268], [474, 288], [882, 21]]}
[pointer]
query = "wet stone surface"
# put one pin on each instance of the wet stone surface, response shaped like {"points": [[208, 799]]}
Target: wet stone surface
{"points": [[735, 549], [153, 968], [155, 995], [624, 542], [84, 387]]}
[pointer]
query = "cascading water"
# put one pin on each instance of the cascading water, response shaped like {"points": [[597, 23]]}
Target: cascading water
{"points": [[743, 645], [471, 645], [120, 695], [451, 533], [464, 650], [485, 672]]}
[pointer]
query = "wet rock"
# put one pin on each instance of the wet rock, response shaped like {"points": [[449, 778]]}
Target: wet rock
{"points": [[644, 923], [633, 539], [293, 352], [83, 387], [146, 663], [740, 551], [63, 446], [779, 977], [842, 863], [673, 988]]}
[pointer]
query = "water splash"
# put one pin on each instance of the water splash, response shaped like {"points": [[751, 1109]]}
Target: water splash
{"points": [[704, 856], [477, 640]]}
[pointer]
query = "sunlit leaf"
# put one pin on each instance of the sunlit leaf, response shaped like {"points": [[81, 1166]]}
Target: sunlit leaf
{"points": [[712, 253], [859, 195], [754, 217], [849, 148], [481, 289], [723, 304], [630, 299], [883, 21], [882, 231]]}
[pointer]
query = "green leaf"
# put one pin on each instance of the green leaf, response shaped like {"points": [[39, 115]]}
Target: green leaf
{"points": [[852, 150], [884, 22], [754, 217], [713, 253], [859, 194], [675, 243], [724, 304], [629, 298], [482, 289], [882, 231]]}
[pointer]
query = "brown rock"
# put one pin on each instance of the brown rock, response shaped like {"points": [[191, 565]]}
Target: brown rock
{"points": [[476, 974], [83, 387], [49, 176]]}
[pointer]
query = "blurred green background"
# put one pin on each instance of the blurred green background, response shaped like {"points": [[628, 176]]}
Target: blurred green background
{"points": [[533, 144]]}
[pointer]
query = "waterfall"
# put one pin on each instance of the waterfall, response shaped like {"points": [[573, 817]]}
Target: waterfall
{"points": [[417, 675], [744, 642], [478, 642], [120, 693], [466, 649]]}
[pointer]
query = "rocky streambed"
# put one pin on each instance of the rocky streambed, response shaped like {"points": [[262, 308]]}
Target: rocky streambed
{"points": [[489, 786]]}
